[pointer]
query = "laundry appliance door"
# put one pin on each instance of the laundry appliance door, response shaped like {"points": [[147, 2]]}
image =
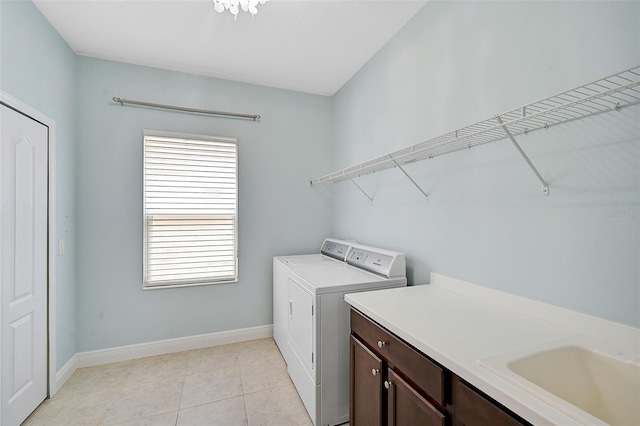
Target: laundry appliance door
{"points": [[301, 324]]}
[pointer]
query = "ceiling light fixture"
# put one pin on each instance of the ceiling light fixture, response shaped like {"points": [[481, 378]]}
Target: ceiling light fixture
{"points": [[234, 6]]}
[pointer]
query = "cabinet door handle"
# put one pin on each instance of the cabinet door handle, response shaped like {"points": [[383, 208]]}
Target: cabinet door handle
{"points": [[375, 371], [387, 384], [290, 309], [381, 344]]}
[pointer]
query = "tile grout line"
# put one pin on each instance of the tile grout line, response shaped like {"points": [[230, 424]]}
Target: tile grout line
{"points": [[184, 382], [246, 411], [244, 400]]}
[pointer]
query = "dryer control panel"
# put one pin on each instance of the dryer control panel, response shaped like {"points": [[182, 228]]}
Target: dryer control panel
{"points": [[382, 262], [337, 249]]}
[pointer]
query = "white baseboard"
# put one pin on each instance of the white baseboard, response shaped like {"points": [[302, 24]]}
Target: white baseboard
{"points": [[64, 374], [160, 347]]}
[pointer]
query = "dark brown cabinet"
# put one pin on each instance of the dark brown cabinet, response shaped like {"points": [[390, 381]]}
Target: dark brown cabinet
{"points": [[393, 384]]}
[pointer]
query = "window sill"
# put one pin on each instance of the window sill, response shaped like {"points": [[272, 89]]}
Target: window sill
{"points": [[195, 284]]}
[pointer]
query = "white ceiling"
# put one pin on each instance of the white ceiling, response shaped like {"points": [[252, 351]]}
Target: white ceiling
{"points": [[308, 46]]}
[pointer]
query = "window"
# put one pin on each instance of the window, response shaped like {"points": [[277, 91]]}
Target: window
{"points": [[190, 210]]}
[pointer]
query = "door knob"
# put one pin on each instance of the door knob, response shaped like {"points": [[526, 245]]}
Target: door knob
{"points": [[387, 384], [381, 344], [375, 371]]}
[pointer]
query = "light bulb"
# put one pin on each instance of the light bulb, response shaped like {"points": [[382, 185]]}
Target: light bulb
{"points": [[234, 6]]}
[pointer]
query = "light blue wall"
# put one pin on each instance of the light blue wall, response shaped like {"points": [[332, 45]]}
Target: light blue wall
{"points": [[278, 213], [39, 68], [454, 64], [457, 63]]}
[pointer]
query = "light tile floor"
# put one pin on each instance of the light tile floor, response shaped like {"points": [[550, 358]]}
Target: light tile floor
{"points": [[239, 384]]}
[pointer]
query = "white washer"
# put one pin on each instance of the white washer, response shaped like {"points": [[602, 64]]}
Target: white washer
{"points": [[332, 251], [317, 350]]}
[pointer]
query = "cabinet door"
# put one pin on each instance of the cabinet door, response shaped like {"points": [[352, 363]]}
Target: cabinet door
{"points": [[473, 409], [365, 386], [407, 407]]}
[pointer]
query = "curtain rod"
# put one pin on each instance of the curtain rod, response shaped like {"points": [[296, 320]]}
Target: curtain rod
{"points": [[121, 101]]}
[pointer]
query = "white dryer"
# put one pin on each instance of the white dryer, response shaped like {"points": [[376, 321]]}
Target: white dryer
{"points": [[332, 251], [317, 353]]}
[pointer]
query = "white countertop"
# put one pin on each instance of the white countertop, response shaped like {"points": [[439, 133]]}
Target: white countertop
{"points": [[458, 323]]}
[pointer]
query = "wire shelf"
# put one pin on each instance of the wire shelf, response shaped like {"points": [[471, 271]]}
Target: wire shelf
{"points": [[610, 93]]}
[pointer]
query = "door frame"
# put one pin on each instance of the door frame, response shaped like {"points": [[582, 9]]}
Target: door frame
{"points": [[24, 108]]}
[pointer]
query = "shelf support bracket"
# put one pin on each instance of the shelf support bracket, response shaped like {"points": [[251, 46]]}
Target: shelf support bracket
{"points": [[426, 196], [545, 185], [361, 190]]}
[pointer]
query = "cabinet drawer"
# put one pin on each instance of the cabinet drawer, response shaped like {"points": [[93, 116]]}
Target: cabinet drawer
{"points": [[474, 409], [424, 373]]}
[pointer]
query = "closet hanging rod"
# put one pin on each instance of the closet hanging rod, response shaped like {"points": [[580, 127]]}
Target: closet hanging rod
{"points": [[121, 101]]}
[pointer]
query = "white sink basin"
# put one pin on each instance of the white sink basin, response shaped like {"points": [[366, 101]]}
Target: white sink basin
{"points": [[592, 382]]}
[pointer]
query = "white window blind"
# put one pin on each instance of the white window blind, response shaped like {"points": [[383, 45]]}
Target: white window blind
{"points": [[190, 210]]}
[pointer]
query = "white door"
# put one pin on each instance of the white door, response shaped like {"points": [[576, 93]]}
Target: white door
{"points": [[23, 268]]}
